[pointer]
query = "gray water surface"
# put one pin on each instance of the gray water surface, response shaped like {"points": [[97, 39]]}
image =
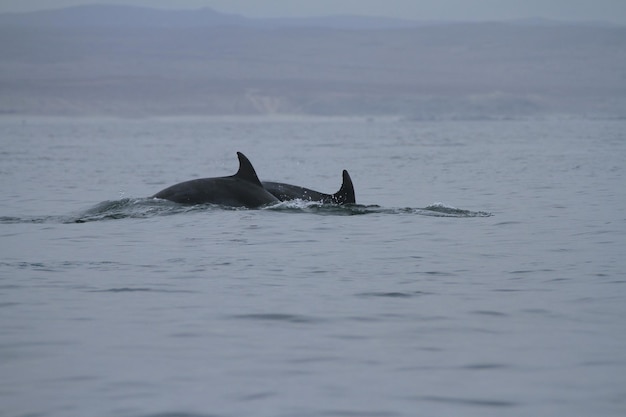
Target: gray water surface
{"points": [[481, 273]]}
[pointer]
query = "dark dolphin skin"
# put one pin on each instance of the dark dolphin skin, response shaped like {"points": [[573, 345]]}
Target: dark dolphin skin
{"points": [[240, 190], [285, 192]]}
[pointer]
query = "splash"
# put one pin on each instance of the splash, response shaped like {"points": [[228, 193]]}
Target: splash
{"points": [[433, 210]]}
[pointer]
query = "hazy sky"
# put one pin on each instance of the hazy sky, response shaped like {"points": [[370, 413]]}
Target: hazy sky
{"points": [[608, 10]]}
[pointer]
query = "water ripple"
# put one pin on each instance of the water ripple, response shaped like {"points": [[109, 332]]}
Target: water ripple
{"points": [[359, 413], [130, 289], [290, 318], [485, 366], [489, 313], [392, 294], [469, 401], [177, 414]]}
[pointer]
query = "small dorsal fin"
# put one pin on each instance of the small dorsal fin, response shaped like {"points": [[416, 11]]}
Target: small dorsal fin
{"points": [[345, 195], [246, 170]]}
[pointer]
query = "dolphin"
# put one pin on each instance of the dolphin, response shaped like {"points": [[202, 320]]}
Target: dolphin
{"points": [[285, 192], [240, 190]]}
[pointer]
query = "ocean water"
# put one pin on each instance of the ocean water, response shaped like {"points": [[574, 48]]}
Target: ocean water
{"points": [[482, 271]]}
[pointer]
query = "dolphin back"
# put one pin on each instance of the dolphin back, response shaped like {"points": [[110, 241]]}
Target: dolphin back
{"points": [[240, 190], [286, 192]]}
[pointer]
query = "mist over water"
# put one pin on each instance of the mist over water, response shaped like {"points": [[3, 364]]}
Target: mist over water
{"points": [[481, 271], [137, 62]]}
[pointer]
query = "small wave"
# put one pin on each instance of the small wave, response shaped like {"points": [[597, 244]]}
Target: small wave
{"points": [[127, 208], [140, 289], [31, 219], [106, 210], [444, 209], [177, 414], [470, 401], [290, 318], [392, 294], [140, 208], [434, 210], [124, 289]]}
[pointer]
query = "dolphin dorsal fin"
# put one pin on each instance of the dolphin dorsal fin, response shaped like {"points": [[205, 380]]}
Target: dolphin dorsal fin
{"points": [[246, 170], [345, 195]]}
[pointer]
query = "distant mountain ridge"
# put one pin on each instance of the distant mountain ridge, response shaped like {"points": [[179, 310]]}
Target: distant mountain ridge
{"points": [[123, 16], [108, 15], [118, 15]]}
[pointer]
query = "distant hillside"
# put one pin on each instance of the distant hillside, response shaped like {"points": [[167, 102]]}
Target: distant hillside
{"points": [[129, 16], [116, 16], [129, 61]]}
